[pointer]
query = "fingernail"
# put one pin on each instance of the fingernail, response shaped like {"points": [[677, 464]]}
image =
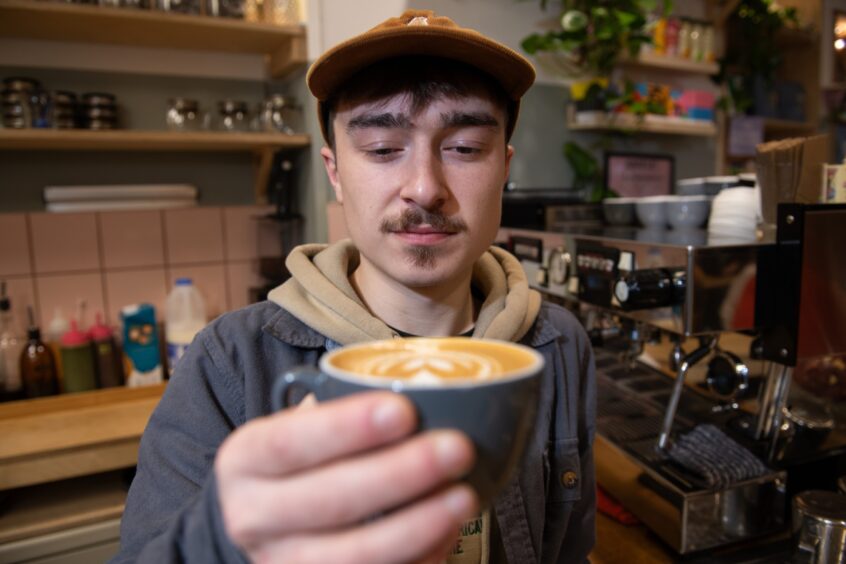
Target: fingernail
{"points": [[390, 416], [461, 502], [451, 452]]}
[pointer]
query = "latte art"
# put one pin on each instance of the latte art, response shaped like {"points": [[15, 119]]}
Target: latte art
{"points": [[433, 361], [431, 366]]}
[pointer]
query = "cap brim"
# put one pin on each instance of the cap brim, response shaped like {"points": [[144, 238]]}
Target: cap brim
{"points": [[334, 67]]}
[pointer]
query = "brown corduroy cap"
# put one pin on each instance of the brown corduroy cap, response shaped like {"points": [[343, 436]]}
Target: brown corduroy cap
{"points": [[420, 32]]}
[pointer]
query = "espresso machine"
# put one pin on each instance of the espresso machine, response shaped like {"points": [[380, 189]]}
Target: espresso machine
{"points": [[779, 405]]}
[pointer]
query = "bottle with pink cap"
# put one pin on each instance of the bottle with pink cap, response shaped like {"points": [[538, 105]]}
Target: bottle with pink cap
{"points": [[77, 361], [109, 365]]}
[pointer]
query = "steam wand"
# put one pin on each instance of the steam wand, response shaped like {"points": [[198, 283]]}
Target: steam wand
{"points": [[672, 406]]}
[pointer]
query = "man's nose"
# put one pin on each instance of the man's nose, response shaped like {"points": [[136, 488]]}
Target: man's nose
{"points": [[427, 186]]}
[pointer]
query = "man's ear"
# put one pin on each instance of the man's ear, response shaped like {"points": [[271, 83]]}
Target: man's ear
{"points": [[509, 152], [332, 171]]}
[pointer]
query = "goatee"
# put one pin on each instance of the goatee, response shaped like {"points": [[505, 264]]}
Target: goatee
{"points": [[422, 256]]}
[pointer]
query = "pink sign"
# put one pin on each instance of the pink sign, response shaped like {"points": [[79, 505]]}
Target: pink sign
{"points": [[634, 176]]}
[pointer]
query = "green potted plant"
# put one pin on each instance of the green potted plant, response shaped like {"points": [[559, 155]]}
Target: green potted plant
{"points": [[752, 56], [594, 34], [587, 173]]}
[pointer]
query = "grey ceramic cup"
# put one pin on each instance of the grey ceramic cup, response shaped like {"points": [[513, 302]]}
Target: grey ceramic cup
{"points": [[619, 211], [497, 414], [651, 211]]}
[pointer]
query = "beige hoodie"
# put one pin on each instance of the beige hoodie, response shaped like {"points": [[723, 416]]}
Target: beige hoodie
{"points": [[320, 295]]}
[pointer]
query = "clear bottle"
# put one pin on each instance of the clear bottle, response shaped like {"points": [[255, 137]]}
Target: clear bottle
{"points": [[684, 39], [708, 55], [696, 42], [671, 37], [37, 364], [11, 344], [57, 327], [185, 315]]}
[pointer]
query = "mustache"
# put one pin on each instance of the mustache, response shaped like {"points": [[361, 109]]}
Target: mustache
{"points": [[413, 217]]}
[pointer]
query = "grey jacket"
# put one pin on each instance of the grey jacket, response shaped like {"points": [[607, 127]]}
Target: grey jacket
{"points": [[546, 514]]}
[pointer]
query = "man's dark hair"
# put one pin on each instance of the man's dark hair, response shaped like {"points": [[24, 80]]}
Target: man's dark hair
{"points": [[424, 79]]}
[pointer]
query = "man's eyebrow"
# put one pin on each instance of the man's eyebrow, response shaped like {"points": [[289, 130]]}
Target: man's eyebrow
{"points": [[468, 119], [383, 120]]}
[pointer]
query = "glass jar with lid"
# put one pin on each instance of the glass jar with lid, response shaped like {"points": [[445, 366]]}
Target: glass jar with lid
{"points": [[226, 8], [183, 114], [284, 12], [279, 114], [232, 116], [180, 6]]}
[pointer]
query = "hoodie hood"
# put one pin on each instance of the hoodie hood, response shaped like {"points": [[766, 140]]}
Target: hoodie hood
{"points": [[320, 295]]}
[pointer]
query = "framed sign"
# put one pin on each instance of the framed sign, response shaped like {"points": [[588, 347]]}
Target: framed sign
{"points": [[633, 175]]}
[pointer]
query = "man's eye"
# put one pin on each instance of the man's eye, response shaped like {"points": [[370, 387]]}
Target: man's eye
{"points": [[383, 152], [464, 150]]}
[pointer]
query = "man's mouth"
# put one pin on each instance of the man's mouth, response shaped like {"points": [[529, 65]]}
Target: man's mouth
{"points": [[424, 234]]}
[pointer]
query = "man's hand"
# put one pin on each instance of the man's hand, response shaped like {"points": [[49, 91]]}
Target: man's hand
{"points": [[303, 485]]}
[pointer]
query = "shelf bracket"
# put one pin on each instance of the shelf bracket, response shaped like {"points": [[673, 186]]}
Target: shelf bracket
{"points": [[288, 57], [265, 158]]}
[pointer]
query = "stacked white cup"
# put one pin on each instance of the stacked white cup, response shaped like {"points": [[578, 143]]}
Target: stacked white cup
{"points": [[735, 214]]}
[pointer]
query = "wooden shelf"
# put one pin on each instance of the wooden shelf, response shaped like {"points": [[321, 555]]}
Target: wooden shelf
{"points": [[672, 63], [40, 510], [603, 121], [131, 140], [62, 437], [30, 19]]}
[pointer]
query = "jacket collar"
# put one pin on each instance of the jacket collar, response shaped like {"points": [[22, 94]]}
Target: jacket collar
{"points": [[294, 332]]}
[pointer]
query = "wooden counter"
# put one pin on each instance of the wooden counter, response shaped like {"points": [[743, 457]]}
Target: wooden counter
{"points": [[627, 544], [72, 435]]}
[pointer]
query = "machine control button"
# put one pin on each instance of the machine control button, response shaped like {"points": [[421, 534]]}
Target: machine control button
{"points": [[559, 266], [569, 479], [621, 291], [650, 288]]}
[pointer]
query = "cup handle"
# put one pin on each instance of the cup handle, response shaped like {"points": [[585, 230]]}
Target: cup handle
{"points": [[305, 378]]}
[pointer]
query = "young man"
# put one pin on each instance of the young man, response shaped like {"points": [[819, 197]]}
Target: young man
{"points": [[417, 114]]}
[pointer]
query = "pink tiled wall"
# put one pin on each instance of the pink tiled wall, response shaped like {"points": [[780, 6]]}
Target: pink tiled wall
{"points": [[112, 259]]}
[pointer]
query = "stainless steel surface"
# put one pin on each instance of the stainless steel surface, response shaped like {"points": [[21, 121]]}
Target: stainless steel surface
{"points": [[676, 505], [716, 276], [771, 401], [819, 517], [715, 280]]}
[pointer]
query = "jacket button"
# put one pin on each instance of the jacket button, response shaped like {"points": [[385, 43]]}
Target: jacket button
{"points": [[569, 479]]}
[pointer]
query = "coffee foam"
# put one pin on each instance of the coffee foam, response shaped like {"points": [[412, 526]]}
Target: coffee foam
{"points": [[433, 361], [431, 368]]}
